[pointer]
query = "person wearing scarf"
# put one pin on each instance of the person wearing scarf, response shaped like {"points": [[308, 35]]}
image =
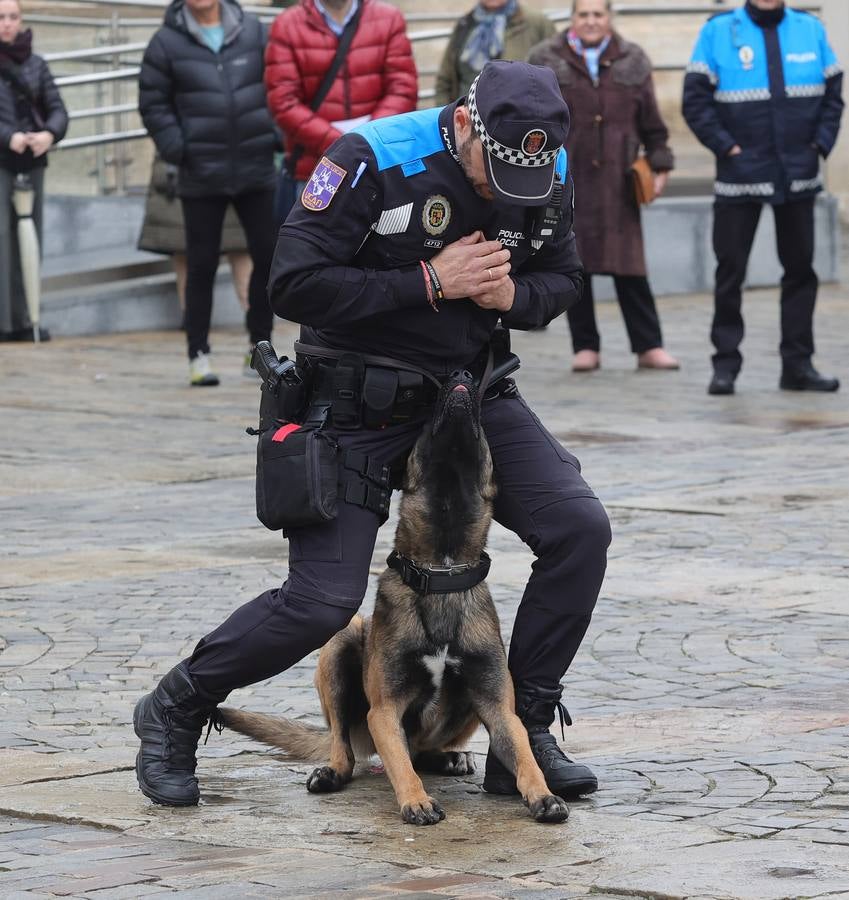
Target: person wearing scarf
{"points": [[494, 29], [32, 119], [607, 83]]}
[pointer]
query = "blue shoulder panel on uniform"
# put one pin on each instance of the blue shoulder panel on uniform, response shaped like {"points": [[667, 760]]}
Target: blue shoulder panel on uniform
{"points": [[404, 140], [561, 166]]}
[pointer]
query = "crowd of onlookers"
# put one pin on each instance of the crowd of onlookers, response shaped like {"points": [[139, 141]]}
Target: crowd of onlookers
{"points": [[240, 117]]}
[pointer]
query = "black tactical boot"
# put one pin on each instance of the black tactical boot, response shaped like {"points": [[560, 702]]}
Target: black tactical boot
{"points": [[804, 377], [568, 779], [169, 723]]}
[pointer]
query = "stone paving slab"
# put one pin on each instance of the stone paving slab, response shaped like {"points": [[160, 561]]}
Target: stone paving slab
{"points": [[711, 693]]}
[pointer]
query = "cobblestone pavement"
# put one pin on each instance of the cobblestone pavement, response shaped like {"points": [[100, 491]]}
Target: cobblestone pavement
{"points": [[711, 693]]}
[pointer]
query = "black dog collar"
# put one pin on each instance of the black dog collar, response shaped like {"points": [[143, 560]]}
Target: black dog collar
{"points": [[439, 579]]}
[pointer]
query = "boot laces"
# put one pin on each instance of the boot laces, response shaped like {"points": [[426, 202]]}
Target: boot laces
{"points": [[564, 717], [216, 721]]}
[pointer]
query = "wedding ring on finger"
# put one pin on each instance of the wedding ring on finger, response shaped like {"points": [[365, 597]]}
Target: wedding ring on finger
{"points": [[489, 274]]}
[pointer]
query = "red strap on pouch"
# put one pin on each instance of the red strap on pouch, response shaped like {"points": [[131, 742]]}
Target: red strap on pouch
{"points": [[283, 432]]}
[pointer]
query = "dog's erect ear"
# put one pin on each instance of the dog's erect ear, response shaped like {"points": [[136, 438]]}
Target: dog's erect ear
{"points": [[486, 479]]}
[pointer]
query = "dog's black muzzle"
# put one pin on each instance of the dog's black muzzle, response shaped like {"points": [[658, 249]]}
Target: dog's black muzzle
{"points": [[457, 403]]}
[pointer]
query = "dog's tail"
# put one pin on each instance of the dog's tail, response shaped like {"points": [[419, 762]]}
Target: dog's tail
{"points": [[295, 739]]}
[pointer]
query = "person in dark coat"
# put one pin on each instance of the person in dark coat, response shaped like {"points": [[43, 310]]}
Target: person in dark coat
{"points": [[608, 85], [202, 99], [763, 94], [32, 119]]}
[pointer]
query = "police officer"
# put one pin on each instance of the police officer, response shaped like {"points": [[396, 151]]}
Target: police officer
{"points": [[762, 93], [414, 237]]}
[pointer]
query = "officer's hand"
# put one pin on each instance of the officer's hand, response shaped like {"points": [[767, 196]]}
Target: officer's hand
{"points": [[470, 266], [497, 296], [736, 150]]}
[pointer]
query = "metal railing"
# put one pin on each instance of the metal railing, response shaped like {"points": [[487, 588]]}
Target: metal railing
{"points": [[123, 71]]}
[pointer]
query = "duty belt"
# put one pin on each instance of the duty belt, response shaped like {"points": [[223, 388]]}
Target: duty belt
{"points": [[365, 391]]}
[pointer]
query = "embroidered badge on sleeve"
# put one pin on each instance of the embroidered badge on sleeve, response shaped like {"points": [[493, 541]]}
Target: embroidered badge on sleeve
{"points": [[322, 185]]}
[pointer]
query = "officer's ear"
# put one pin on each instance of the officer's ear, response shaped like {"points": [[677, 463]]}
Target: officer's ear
{"points": [[462, 124]]}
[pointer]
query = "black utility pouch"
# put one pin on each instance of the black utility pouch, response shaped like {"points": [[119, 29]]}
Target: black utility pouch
{"points": [[296, 477]]}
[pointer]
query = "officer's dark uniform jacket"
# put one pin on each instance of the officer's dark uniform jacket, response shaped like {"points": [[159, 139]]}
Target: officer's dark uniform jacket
{"points": [[394, 193], [773, 91]]}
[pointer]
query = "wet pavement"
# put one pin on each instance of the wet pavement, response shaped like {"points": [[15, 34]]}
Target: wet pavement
{"points": [[711, 693]]}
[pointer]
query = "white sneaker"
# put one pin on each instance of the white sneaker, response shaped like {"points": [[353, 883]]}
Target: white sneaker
{"points": [[200, 372]]}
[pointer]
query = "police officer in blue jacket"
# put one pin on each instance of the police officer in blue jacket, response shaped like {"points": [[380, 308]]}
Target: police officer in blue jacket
{"points": [[763, 94], [415, 236]]}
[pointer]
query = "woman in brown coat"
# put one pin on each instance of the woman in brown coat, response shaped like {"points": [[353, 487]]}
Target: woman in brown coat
{"points": [[607, 83]]}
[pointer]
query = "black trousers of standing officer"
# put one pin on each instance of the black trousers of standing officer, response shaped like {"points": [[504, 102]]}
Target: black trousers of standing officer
{"points": [[541, 497], [204, 219], [638, 310], [734, 227]]}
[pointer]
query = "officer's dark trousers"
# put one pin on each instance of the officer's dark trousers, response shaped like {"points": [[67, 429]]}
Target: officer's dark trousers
{"points": [[734, 227], [638, 310], [542, 497], [204, 219]]}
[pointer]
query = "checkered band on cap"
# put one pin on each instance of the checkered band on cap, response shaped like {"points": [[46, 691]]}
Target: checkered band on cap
{"points": [[501, 151]]}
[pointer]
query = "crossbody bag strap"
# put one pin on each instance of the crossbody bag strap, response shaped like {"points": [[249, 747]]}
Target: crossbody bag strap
{"points": [[329, 78], [12, 74]]}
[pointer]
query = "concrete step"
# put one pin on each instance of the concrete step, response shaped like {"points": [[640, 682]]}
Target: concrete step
{"points": [[145, 303]]}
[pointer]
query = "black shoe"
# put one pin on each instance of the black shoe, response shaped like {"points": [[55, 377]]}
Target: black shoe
{"points": [[564, 777], [721, 383], [169, 723], [26, 335], [806, 378]]}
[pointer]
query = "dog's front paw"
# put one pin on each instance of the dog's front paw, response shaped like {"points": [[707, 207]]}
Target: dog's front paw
{"points": [[549, 809], [428, 813], [324, 780]]}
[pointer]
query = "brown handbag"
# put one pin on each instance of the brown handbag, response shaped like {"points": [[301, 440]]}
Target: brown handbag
{"points": [[642, 181]]}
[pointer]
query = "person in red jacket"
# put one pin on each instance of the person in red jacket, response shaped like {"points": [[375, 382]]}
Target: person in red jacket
{"points": [[377, 77]]}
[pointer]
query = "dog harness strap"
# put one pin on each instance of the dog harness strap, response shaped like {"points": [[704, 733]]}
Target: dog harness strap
{"points": [[439, 579]]}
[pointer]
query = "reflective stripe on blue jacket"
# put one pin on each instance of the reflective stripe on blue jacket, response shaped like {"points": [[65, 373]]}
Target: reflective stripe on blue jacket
{"points": [[774, 92]]}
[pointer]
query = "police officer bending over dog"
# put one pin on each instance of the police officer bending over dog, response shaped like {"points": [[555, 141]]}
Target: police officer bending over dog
{"points": [[415, 236]]}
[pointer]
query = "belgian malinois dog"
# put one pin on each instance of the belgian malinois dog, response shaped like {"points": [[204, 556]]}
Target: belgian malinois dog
{"points": [[413, 682]]}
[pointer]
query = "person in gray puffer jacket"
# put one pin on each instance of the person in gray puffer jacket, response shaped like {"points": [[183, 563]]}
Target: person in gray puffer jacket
{"points": [[32, 119], [202, 99]]}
